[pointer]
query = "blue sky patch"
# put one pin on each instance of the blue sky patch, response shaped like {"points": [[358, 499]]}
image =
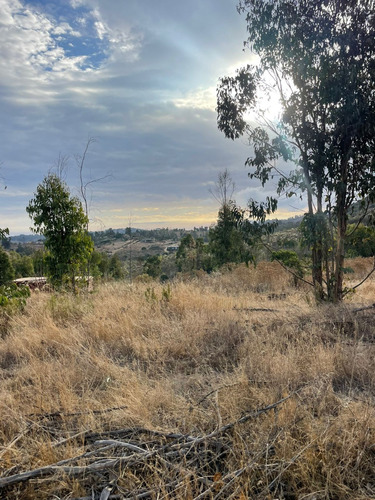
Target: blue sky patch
{"points": [[75, 31]]}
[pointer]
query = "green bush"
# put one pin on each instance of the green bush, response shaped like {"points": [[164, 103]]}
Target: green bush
{"points": [[12, 300], [290, 260], [13, 297], [6, 268]]}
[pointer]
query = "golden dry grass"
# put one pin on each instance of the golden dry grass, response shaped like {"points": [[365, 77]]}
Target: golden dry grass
{"points": [[221, 347]]}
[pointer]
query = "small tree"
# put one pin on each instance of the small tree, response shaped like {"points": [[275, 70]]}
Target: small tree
{"points": [[60, 218], [291, 261], [152, 266], [6, 268], [186, 258], [226, 239], [360, 241], [116, 269]]}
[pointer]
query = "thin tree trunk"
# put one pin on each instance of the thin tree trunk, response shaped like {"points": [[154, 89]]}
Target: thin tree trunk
{"points": [[340, 254], [341, 231]]}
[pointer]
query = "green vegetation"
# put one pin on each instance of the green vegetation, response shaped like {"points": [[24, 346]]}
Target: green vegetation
{"points": [[6, 268], [227, 240], [290, 260], [152, 266], [60, 218], [360, 241], [319, 57], [13, 297]]}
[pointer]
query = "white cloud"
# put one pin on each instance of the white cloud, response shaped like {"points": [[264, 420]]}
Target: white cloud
{"points": [[66, 29], [34, 58], [77, 3], [198, 99], [141, 78], [101, 29]]}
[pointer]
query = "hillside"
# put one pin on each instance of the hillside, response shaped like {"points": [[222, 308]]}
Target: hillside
{"points": [[233, 385]]}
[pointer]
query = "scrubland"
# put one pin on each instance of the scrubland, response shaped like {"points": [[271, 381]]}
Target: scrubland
{"points": [[231, 385]]}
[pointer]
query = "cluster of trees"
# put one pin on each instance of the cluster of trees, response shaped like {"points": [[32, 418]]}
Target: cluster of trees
{"points": [[228, 242], [319, 58], [69, 250], [157, 235]]}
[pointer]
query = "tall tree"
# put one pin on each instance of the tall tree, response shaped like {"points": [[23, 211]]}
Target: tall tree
{"points": [[320, 58], [60, 218]]}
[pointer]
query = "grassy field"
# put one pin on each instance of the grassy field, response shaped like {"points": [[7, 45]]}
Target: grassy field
{"points": [[231, 385]]}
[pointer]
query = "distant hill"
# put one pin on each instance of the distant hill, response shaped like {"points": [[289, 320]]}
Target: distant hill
{"points": [[291, 223], [26, 238]]}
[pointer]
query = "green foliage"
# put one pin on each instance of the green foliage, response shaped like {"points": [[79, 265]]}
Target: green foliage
{"points": [[285, 242], [186, 254], [152, 298], [319, 57], [5, 242], [290, 260], [151, 295], [152, 266], [4, 233], [6, 268], [106, 267], [13, 298], [315, 233], [116, 271], [166, 293], [227, 240], [40, 262], [60, 218], [360, 242], [193, 254], [23, 265]]}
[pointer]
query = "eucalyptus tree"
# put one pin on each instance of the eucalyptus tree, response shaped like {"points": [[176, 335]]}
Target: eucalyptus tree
{"points": [[319, 57], [228, 243], [60, 218]]}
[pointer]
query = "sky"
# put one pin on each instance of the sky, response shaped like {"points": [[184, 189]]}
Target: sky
{"points": [[139, 78]]}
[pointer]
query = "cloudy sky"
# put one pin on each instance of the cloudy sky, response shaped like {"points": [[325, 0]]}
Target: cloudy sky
{"points": [[139, 76]]}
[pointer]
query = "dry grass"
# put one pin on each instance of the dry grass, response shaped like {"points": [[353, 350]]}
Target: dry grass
{"points": [[220, 348]]}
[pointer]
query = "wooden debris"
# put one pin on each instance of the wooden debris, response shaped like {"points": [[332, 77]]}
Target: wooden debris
{"points": [[189, 458]]}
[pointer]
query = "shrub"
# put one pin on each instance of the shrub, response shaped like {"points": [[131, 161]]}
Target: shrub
{"points": [[12, 300], [290, 260]]}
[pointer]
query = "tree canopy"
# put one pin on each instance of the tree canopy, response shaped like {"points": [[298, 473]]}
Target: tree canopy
{"points": [[60, 218], [320, 59]]}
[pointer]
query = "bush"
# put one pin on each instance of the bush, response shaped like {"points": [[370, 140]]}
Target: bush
{"points": [[290, 260], [13, 296], [6, 268], [12, 300]]}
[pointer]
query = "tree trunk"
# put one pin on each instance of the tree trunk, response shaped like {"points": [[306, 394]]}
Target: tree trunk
{"points": [[340, 252], [342, 222]]}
